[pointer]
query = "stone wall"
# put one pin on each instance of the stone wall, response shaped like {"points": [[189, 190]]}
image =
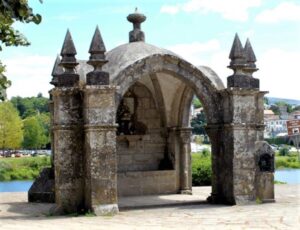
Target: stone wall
{"points": [[147, 183], [142, 152]]}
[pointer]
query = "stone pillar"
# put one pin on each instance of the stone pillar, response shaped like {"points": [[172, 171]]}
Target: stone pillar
{"points": [[100, 135], [216, 134], [68, 143], [51, 110], [242, 129], [185, 160], [68, 135]]}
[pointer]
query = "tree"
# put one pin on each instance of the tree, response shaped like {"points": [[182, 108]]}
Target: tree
{"points": [[11, 133], [196, 102], [283, 103], [34, 133], [198, 123], [12, 11], [266, 100], [31, 106]]}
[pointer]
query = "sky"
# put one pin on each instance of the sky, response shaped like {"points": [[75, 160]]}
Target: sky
{"points": [[201, 31]]}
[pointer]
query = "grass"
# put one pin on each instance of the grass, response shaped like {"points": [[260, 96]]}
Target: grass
{"points": [[23, 168], [290, 161]]}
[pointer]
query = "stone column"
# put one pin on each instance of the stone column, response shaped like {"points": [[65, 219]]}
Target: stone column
{"points": [[242, 129], [68, 143], [100, 135], [185, 160], [51, 110], [68, 135], [100, 150]]}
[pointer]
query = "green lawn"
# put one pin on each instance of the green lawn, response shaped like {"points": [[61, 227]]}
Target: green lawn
{"points": [[23, 168]]}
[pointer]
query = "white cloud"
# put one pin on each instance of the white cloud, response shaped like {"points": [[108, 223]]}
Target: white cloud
{"points": [[235, 10], [29, 75], [170, 9], [205, 54], [279, 73], [195, 52], [286, 11]]}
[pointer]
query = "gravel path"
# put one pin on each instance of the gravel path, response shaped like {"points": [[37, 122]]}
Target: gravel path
{"points": [[16, 213]]}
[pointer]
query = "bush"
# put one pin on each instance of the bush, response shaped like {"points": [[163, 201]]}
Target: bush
{"points": [[284, 151], [287, 162], [201, 168]]}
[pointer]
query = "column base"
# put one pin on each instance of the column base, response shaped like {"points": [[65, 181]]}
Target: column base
{"points": [[186, 191], [106, 209]]}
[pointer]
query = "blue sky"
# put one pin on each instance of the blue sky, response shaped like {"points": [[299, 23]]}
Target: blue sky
{"points": [[201, 31]]}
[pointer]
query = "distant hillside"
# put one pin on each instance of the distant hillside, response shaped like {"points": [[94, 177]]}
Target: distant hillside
{"points": [[273, 100]]}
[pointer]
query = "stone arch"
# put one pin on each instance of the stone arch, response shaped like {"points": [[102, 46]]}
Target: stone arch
{"points": [[205, 84]]}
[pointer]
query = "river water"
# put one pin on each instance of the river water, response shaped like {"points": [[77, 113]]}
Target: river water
{"points": [[290, 176]]}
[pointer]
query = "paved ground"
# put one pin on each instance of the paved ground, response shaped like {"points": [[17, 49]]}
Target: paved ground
{"points": [[16, 213]]}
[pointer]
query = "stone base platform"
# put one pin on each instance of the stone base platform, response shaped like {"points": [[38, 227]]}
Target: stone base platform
{"points": [[158, 201]]}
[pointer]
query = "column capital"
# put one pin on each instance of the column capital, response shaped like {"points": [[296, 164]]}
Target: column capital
{"points": [[185, 134]]}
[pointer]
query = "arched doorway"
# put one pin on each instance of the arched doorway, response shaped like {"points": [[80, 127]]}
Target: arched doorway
{"points": [[170, 84]]}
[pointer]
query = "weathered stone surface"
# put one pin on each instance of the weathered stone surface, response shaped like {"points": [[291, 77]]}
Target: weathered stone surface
{"points": [[43, 189], [149, 98]]}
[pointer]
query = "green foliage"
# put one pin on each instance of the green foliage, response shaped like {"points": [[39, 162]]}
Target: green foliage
{"points": [[276, 140], [287, 162], [258, 200], [201, 169], [284, 151], [11, 133], [196, 102], [34, 133], [282, 103], [266, 100], [275, 109], [12, 11], [296, 108], [279, 182], [25, 168], [198, 123], [30, 106]]}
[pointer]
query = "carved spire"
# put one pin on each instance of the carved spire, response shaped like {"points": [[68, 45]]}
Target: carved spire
{"points": [[237, 56], [97, 51], [242, 63], [250, 58], [97, 60], [68, 53], [57, 70], [136, 19], [68, 62]]}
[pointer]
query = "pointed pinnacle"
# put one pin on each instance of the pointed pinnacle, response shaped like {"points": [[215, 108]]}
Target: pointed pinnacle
{"points": [[97, 45], [57, 69], [237, 50], [68, 47], [250, 56]]}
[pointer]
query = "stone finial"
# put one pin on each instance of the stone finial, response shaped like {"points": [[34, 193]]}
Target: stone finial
{"points": [[68, 62], [242, 61], [57, 70], [97, 60], [136, 19], [68, 53], [250, 58], [237, 56]]}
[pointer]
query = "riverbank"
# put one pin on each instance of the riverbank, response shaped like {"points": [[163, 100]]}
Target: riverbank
{"points": [[16, 213], [25, 168]]}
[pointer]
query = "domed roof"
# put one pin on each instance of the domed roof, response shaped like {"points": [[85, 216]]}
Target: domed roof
{"points": [[124, 55]]}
